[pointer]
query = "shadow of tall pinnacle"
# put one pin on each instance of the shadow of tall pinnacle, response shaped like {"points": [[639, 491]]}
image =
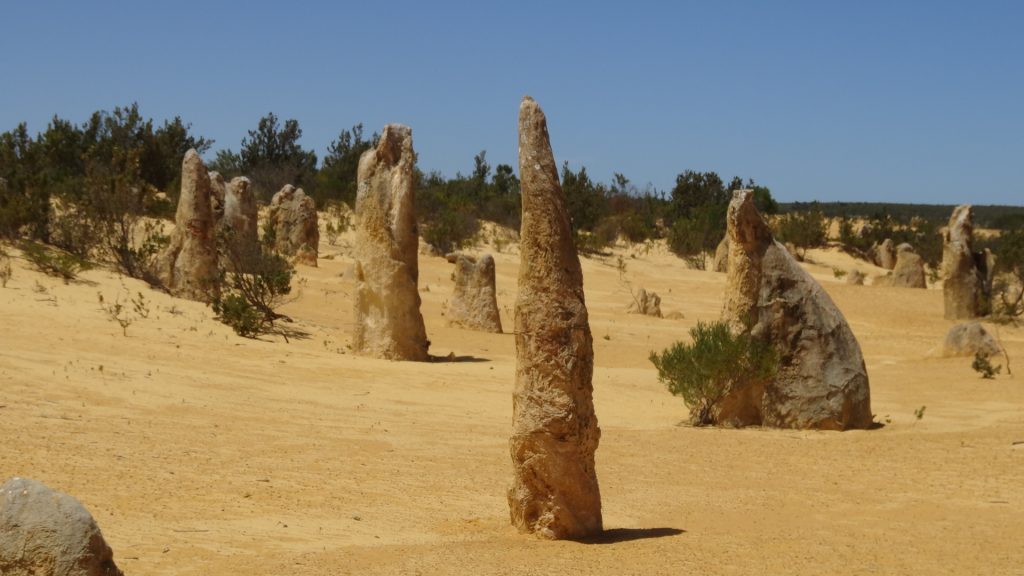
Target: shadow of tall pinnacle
{"points": [[617, 535]]}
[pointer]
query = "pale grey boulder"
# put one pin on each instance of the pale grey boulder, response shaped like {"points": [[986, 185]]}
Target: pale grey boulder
{"points": [[822, 381], [968, 339], [474, 302], [293, 220], [46, 533]]}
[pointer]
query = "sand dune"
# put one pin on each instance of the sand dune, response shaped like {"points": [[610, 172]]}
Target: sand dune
{"points": [[200, 452]]}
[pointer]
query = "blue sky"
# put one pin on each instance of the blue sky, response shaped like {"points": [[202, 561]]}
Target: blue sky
{"points": [[857, 101]]}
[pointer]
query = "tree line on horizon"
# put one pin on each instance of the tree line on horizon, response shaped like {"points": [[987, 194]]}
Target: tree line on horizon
{"points": [[121, 157], [119, 166]]}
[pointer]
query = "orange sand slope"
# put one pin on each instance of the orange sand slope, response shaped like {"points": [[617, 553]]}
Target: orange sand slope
{"points": [[200, 452]]}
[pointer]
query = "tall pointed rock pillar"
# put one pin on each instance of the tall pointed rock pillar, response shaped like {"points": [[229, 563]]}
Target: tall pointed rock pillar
{"points": [[188, 266], [554, 492], [962, 279]]}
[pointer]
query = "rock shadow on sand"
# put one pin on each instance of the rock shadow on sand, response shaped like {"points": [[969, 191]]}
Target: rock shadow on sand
{"points": [[617, 535]]}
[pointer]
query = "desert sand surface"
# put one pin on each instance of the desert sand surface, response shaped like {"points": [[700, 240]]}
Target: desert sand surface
{"points": [[200, 452]]}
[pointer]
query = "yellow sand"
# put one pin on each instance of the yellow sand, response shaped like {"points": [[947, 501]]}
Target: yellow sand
{"points": [[203, 453]]}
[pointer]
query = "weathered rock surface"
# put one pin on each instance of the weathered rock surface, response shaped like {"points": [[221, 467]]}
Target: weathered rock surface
{"points": [[474, 303], [646, 303], [388, 322], [189, 263], [241, 216], [884, 255], [218, 190], [855, 278], [293, 220], [968, 339], [909, 269], [554, 491], [822, 381], [44, 533], [721, 261], [963, 273]]}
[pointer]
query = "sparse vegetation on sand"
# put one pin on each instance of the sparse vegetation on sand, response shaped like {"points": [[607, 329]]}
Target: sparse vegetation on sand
{"points": [[54, 261]]}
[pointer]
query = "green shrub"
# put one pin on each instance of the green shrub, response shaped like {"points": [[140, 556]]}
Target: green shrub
{"points": [[72, 229], [235, 311], [450, 231], [802, 229], [715, 364], [252, 283], [694, 238], [52, 262], [982, 366]]}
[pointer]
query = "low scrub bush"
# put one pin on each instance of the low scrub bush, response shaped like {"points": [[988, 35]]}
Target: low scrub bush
{"points": [[252, 283], [983, 366], [715, 364], [450, 231], [803, 230]]}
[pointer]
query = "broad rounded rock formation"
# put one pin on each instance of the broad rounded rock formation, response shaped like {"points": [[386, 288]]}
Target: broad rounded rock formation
{"points": [[822, 381], [474, 303], [554, 492], [188, 266], [909, 269], [292, 220], [646, 303], [44, 532], [964, 273], [968, 339], [388, 322]]}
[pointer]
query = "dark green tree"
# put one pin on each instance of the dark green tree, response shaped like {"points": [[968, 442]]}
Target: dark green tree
{"points": [[24, 199], [803, 230], [338, 177], [584, 199], [272, 157], [696, 189]]}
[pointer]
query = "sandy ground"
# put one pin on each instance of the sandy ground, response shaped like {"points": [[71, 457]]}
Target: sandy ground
{"points": [[203, 453]]}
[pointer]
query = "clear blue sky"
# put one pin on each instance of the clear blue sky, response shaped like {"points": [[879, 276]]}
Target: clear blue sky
{"points": [[870, 101]]}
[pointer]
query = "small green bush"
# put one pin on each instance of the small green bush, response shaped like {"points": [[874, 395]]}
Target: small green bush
{"points": [[695, 238], [982, 366], [235, 311], [802, 229], [252, 283], [450, 231], [716, 363]]}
